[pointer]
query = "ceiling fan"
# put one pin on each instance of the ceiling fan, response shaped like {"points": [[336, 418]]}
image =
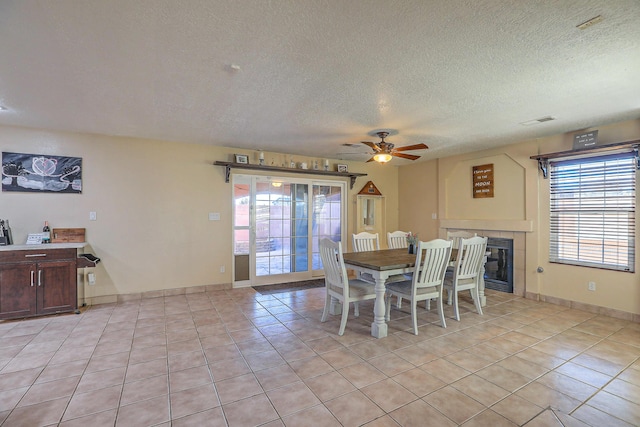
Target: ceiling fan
{"points": [[384, 151]]}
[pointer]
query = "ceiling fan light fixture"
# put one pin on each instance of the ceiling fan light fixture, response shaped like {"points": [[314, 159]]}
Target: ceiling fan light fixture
{"points": [[382, 157]]}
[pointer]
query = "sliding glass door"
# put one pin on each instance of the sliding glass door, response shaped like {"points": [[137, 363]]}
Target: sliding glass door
{"points": [[278, 223]]}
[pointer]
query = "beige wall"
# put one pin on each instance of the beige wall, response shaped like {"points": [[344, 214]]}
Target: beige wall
{"points": [[521, 202], [418, 190], [152, 200]]}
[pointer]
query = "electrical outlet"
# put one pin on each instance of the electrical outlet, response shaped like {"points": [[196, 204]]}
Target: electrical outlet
{"points": [[222, 269], [592, 286], [93, 216], [92, 278]]}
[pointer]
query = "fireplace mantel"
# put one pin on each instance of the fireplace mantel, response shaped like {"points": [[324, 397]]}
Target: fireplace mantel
{"points": [[524, 226]]}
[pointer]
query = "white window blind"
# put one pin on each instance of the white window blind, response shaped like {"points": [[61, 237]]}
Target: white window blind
{"points": [[593, 212]]}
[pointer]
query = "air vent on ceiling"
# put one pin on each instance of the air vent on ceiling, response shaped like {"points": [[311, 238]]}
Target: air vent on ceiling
{"points": [[537, 121], [590, 22]]}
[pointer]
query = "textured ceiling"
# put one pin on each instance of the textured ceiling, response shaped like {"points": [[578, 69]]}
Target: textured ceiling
{"points": [[306, 76]]}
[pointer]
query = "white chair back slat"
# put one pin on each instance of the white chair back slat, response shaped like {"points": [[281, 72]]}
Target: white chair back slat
{"points": [[470, 256], [335, 274], [397, 240], [456, 236], [433, 258], [366, 242]]}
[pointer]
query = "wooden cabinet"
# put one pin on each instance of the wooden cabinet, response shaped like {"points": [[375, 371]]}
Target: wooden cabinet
{"points": [[37, 282]]}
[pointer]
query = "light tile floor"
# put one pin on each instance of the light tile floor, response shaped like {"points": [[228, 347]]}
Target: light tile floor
{"points": [[239, 358]]}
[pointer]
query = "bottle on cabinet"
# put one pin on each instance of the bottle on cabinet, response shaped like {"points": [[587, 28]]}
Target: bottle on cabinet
{"points": [[5, 233], [46, 233]]}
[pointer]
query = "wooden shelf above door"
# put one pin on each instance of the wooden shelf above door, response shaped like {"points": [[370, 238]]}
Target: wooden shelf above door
{"points": [[231, 165]]}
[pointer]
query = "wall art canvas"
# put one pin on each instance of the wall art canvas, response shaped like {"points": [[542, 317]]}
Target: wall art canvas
{"points": [[41, 173]]}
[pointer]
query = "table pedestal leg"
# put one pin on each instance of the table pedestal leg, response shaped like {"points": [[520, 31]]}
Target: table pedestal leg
{"points": [[379, 326]]}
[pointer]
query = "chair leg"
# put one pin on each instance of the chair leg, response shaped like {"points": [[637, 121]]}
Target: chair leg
{"points": [[356, 309], [414, 316], [343, 322], [449, 296], [325, 313], [427, 304], [399, 303], [476, 300], [441, 313], [455, 306]]}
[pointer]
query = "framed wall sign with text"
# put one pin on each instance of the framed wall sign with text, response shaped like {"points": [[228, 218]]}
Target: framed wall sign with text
{"points": [[483, 181]]}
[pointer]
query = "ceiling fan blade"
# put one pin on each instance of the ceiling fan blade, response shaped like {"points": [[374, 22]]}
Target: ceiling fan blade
{"points": [[371, 144], [412, 147], [405, 156]]}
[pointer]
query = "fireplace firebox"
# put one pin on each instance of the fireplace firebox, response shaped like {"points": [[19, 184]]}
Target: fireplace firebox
{"points": [[499, 267]]}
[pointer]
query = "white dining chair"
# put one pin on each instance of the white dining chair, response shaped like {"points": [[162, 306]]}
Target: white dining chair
{"points": [[466, 272], [428, 276], [338, 285], [397, 240], [365, 242]]}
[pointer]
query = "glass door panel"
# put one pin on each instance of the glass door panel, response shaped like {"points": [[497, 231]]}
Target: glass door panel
{"points": [[278, 231], [241, 230], [281, 228], [327, 209]]}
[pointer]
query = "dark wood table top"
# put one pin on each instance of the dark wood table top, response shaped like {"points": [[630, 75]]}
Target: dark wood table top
{"points": [[385, 259]]}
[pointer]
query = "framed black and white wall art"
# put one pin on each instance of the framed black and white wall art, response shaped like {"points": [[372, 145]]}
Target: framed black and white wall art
{"points": [[35, 173]]}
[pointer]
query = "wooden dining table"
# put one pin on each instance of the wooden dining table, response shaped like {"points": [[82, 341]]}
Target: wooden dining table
{"points": [[383, 264]]}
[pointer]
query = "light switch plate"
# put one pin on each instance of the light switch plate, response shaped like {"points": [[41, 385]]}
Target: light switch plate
{"points": [[93, 216], [214, 216]]}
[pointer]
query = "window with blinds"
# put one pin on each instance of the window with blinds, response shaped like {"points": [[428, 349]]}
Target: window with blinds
{"points": [[593, 203]]}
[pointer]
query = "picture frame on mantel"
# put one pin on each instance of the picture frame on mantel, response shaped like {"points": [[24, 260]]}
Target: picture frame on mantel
{"points": [[241, 158], [342, 168]]}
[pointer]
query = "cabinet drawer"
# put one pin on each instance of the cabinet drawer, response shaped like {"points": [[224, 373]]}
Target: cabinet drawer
{"points": [[38, 255]]}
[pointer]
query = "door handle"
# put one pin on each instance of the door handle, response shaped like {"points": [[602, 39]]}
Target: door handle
{"points": [[32, 277], [39, 277]]}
